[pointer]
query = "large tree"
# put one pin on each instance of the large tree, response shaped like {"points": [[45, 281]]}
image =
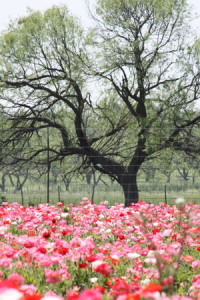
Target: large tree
{"points": [[113, 97]]}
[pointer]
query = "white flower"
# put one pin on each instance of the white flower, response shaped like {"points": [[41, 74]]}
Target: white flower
{"points": [[150, 253], [114, 256], [150, 260], [145, 281], [37, 214], [133, 255], [101, 217], [49, 246], [10, 294], [156, 296], [99, 223], [64, 215], [180, 201], [155, 224], [93, 279], [3, 230]]}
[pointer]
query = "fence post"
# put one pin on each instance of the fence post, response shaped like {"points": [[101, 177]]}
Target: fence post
{"points": [[48, 166], [165, 190], [22, 195], [58, 193]]}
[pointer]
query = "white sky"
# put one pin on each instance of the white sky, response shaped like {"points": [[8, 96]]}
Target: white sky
{"points": [[12, 9]]}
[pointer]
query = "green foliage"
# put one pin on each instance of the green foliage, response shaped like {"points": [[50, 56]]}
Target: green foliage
{"points": [[113, 97], [160, 8], [16, 231]]}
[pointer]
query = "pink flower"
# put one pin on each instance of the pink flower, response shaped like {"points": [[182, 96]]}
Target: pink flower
{"points": [[196, 283], [90, 294], [17, 278], [29, 289], [195, 264], [52, 276], [188, 258], [85, 199], [29, 243], [5, 262]]}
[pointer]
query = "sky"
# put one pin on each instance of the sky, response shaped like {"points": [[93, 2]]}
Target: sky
{"points": [[12, 9]]}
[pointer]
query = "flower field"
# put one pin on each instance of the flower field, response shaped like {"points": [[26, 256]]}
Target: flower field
{"points": [[94, 252]]}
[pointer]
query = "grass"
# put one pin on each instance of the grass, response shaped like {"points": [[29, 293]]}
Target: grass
{"points": [[155, 191], [111, 196]]}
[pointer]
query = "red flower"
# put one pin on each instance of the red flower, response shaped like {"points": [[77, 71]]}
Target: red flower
{"points": [[9, 283], [103, 269], [73, 297], [152, 247], [100, 289], [121, 286], [198, 248], [32, 297], [132, 297], [63, 250], [91, 258], [152, 287], [102, 250], [82, 266], [46, 235], [136, 278], [28, 244], [155, 230], [6, 222], [194, 230], [121, 236], [42, 250], [66, 232], [31, 233]]}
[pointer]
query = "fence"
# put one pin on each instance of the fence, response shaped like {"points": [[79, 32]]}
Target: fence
{"points": [[52, 189]]}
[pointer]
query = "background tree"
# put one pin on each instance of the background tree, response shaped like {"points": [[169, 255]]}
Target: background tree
{"points": [[146, 81]]}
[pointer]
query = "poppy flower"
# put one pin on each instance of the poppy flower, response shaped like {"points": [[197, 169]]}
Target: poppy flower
{"points": [[151, 288], [91, 258], [32, 297], [82, 266], [132, 297], [188, 258], [102, 268], [63, 250], [46, 234]]}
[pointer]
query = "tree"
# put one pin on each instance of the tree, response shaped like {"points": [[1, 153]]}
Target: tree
{"points": [[113, 97]]}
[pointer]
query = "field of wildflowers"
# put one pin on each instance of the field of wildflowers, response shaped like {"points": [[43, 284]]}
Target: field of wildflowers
{"points": [[96, 252]]}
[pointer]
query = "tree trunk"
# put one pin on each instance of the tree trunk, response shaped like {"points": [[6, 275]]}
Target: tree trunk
{"points": [[3, 184], [168, 175], [130, 189], [89, 177]]}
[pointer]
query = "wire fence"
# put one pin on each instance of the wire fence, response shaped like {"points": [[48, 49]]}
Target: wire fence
{"points": [[160, 180], [29, 189]]}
